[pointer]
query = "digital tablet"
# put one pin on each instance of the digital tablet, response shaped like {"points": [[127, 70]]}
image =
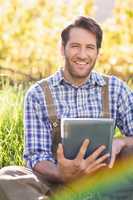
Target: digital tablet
{"points": [[75, 130]]}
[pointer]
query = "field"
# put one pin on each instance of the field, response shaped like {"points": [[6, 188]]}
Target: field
{"points": [[11, 125]]}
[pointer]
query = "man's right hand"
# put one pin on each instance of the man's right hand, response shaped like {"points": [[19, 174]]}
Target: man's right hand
{"points": [[71, 169]]}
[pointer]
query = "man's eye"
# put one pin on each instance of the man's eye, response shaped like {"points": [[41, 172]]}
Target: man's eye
{"points": [[90, 47], [75, 46]]}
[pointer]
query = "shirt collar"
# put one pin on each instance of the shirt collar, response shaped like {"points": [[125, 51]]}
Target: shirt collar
{"points": [[94, 79], [57, 78]]}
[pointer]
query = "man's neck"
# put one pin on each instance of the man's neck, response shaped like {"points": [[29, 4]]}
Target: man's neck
{"points": [[75, 81]]}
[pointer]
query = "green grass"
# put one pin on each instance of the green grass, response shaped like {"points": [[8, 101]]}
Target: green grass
{"points": [[11, 125]]}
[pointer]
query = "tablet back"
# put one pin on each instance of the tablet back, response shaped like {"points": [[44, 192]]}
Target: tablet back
{"points": [[74, 130]]}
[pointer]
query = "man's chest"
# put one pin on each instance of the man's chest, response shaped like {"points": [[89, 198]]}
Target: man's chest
{"points": [[79, 102]]}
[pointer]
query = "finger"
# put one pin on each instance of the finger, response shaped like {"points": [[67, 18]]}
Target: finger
{"points": [[112, 161], [95, 168], [102, 158], [60, 152], [99, 162], [96, 153], [82, 150]]}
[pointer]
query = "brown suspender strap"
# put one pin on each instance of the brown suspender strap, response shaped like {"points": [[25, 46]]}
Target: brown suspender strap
{"points": [[55, 122], [105, 98]]}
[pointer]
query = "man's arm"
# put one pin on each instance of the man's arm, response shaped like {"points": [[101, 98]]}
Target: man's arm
{"points": [[48, 170], [37, 129], [118, 145], [124, 118], [128, 141]]}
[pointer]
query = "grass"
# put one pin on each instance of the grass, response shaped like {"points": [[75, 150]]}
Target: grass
{"points": [[11, 125]]}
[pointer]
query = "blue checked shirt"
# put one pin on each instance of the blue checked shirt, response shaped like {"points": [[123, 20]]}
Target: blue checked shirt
{"points": [[71, 101]]}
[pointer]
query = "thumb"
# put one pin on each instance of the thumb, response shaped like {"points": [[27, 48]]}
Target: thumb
{"points": [[112, 161], [60, 152]]}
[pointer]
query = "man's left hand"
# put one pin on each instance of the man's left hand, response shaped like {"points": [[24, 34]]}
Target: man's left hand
{"points": [[117, 146]]}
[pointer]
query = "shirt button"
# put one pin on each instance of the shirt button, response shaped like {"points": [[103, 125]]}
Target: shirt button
{"points": [[55, 124]]}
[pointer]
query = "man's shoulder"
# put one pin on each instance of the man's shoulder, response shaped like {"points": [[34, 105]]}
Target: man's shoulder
{"points": [[36, 89], [33, 92], [112, 80], [116, 82], [53, 79]]}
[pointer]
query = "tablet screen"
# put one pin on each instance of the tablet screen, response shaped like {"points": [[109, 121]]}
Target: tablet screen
{"points": [[75, 130]]}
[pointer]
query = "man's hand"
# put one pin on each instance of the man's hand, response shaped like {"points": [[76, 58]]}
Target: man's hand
{"points": [[72, 169], [117, 146]]}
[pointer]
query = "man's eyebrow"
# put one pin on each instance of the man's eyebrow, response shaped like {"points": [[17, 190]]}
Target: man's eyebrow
{"points": [[91, 45], [74, 43]]}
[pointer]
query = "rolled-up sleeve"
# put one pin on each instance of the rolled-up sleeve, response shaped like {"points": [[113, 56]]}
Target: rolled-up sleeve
{"points": [[37, 128]]}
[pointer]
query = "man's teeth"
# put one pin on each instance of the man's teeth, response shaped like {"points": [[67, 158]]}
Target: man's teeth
{"points": [[81, 63]]}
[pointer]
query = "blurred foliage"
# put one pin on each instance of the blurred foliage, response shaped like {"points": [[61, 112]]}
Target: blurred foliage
{"points": [[117, 52], [30, 35]]}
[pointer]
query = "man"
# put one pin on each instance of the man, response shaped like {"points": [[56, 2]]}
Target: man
{"points": [[76, 92]]}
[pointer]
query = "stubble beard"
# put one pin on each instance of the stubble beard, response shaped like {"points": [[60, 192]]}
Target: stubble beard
{"points": [[72, 72]]}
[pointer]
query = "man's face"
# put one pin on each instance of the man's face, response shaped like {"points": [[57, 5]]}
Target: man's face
{"points": [[80, 55]]}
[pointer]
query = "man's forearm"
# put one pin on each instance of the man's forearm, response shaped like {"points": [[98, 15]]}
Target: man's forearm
{"points": [[128, 141], [49, 170]]}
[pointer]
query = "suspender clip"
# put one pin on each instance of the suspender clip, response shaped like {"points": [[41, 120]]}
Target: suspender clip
{"points": [[55, 124]]}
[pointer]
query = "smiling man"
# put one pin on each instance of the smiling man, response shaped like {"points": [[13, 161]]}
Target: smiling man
{"points": [[77, 92], [80, 53], [74, 91]]}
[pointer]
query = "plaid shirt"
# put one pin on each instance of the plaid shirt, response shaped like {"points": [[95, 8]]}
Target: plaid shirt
{"points": [[71, 101]]}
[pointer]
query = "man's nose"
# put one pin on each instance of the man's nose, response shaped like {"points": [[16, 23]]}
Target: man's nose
{"points": [[82, 53]]}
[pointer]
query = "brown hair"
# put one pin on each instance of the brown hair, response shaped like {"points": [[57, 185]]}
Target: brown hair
{"points": [[85, 23]]}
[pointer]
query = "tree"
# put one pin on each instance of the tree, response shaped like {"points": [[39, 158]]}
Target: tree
{"points": [[117, 52], [29, 35]]}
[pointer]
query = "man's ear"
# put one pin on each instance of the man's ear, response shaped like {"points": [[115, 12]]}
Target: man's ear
{"points": [[98, 54], [62, 48]]}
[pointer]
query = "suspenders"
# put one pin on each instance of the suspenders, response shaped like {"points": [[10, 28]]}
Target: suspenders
{"points": [[55, 122], [105, 98]]}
